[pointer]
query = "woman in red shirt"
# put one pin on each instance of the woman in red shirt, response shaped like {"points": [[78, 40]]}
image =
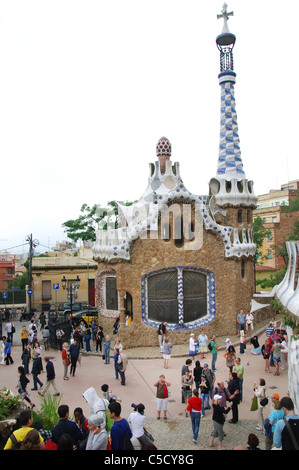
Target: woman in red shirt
{"points": [[194, 408]]}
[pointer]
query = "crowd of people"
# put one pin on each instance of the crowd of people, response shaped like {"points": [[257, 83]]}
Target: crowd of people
{"points": [[202, 393]]}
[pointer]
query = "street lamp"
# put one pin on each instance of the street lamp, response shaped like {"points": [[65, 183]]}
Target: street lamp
{"points": [[71, 289]]}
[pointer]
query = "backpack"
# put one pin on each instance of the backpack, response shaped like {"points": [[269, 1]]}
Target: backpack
{"points": [[109, 421], [16, 445], [127, 444], [210, 346]]}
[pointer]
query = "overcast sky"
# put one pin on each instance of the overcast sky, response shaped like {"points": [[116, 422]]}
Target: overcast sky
{"points": [[89, 87]]}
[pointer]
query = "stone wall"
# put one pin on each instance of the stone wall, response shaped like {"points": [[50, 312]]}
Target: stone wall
{"points": [[232, 291]]}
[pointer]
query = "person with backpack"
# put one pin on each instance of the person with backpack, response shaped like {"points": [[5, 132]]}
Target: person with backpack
{"points": [[16, 438], [286, 434], [120, 432]]}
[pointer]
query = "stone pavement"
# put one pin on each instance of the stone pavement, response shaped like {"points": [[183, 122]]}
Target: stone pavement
{"points": [[145, 366]]}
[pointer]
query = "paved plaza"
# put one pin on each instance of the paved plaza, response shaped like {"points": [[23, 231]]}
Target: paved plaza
{"points": [[145, 366]]}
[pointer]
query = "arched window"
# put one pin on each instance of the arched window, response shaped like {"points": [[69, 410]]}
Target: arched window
{"points": [[178, 295]]}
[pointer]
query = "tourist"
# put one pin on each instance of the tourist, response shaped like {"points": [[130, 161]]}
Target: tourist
{"points": [[107, 345], [26, 356], [65, 442], [65, 360], [287, 438], [99, 338], [228, 343], [46, 337], [96, 404], [22, 386], [284, 352], [82, 423], [234, 392], [202, 344], [192, 346], [242, 342], [24, 337], [253, 442], [115, 359], [239, 369], [256, 346], [74, 355], [87, 339], [275, 415], [223, 392], [10, 328], [50, 378], [185, 366], [7, 351], [276, 355], [162, 330], [162, 396], [137, 419], [120, 432], [167, 349], [66, 426], [249, 323], [260, 393], [197, 371], [241, 321], [204, 388], [122, 363], [194, 408], [187, 383], [37, 368], [16, 438], [32, 441], [230, 356], [266, 355], [97, 436], [59, 335], [218, 420], [211, 377], [214, 353]]}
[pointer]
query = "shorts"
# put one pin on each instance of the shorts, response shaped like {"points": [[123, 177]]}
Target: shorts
{"points": [[192, 353], [166, 356], [202, 349], [162, 404], [276, 360]]}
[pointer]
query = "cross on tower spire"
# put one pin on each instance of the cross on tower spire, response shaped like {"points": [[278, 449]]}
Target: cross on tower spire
{"points": [[225, 15]]}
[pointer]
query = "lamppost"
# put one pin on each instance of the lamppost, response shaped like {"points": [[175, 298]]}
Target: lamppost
{"points": [[71, 289]]}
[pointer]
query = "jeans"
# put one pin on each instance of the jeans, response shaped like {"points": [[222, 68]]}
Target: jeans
{"points": [[214, 358], [195, 421], [107, 356], [241, 388], [116, 370], [205, 402], [36, 381]]}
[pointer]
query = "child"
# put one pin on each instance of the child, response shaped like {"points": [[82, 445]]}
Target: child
{"points": [[7, 351], [242, 342], [107, 349], [107, 394]]}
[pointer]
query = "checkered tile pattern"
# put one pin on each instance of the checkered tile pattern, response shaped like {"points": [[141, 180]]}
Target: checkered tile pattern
{"points": [[229, 162]]}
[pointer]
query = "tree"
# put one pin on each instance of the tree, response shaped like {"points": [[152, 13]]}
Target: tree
{"points": [[259, 234], [84, 227]]}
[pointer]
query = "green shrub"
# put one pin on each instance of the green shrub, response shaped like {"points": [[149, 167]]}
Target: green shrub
{"points": [[8, 403]]}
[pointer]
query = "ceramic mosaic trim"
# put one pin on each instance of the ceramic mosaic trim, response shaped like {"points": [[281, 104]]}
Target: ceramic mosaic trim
{"points": [[229, 162], [100, 291], [180, 325], [115, 243]]}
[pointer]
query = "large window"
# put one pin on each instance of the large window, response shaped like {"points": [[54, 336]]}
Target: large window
{"points": [[111, 294], [182, 296]]}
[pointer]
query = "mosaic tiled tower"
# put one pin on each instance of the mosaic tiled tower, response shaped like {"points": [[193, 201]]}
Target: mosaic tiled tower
{"points": [[230, 186]]}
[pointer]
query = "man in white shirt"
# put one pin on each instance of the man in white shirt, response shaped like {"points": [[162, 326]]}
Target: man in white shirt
{"points": [[136, 420]]}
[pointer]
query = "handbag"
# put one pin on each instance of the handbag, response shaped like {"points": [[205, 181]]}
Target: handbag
{"points": [[254, 404], [264, 401], [295, 443]]}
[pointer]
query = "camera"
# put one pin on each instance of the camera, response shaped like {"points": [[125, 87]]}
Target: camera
{"points": [[140, 407]]}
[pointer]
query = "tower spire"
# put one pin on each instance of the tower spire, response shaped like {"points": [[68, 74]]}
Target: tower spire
{"points": [[230, 185]]}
